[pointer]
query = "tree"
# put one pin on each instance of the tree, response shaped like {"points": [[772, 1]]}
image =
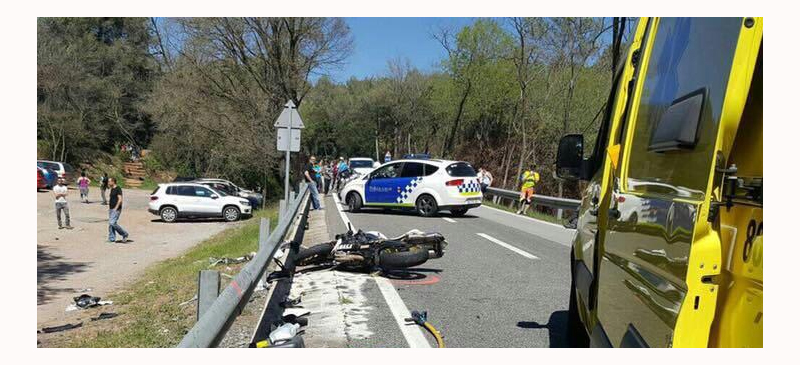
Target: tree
{"points": [[230, 79], [93, 74], [469, 52]]}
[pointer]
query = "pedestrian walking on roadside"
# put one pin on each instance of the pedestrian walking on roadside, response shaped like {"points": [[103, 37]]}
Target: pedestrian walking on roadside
{"points": [[104, 187], [309, 174], [83, 186], [387, 157], [60, 192], [114, 211], [529, 179], [485, 177]]}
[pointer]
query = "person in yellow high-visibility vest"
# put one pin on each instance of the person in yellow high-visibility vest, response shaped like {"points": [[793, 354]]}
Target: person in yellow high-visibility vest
{"points": [[529, 180]]}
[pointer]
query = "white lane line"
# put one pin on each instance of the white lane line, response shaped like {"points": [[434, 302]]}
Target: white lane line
{"points": [[449, 219], [412, 333], [506, 245], [524, 217]]}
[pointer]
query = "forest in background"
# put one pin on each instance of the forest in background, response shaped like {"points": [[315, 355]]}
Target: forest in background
{"points": [[202, 93]]}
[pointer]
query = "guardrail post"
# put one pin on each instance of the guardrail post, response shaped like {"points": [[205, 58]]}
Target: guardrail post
{"points": [[208, 284], [281, 209], [263, 234]]}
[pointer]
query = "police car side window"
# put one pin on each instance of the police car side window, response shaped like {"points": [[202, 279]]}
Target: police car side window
{"points": [[388, 171], [412, 169], [429, 169]]}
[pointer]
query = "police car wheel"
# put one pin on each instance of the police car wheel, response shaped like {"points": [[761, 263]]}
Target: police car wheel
{"points": [[426, 206], [354, 202]]}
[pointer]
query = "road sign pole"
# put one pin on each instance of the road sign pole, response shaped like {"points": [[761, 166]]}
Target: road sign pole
{"points": [[286, 179]]}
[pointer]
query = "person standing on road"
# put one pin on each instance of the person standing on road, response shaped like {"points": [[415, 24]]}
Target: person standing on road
{"points": [[485, 177], [387, 157], [104, 187], [335, 171], [309, 174], [83, 186], [317, 176], [327, 176], [114, 211], [341, 172], [529, 179], [60, 192]]}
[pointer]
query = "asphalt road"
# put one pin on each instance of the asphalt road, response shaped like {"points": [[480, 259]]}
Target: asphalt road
{"points": [[503, 282]]}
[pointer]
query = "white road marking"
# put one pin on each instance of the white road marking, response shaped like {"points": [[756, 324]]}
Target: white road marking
{"points": [[506, 245], [412, 333], [524, 217], [449, 219]]}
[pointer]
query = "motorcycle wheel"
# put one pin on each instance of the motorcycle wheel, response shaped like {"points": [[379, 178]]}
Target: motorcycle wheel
{"points": [[313, 255], [390, 259]]}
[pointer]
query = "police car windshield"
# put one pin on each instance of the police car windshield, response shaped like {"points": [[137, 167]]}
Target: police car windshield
{"points": [[461, 169], [360, 164]]}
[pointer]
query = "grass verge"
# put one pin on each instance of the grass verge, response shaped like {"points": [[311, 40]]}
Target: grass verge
{"points": [[533, 213], [150, 314]]}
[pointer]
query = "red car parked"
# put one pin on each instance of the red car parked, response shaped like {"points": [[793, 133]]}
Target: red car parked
{"points": [[41, 183]]}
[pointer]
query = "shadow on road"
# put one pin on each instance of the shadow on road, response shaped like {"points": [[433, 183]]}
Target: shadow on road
{"points": [[49, 269], [409, 274], [556, 327]]}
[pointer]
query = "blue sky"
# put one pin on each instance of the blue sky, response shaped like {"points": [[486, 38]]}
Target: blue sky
{"points": [[377, 40]]}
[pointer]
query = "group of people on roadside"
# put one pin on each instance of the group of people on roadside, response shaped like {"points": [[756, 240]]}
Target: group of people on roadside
{"points": [[114, 202], [324, 176]]}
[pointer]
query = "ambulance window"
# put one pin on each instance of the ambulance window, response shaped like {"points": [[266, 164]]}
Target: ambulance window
{"points": [[688, 54], [412, 169]]}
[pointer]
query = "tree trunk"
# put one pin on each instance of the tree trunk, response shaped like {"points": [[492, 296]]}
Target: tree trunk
{"points": [[447, 149], [508, 165]]}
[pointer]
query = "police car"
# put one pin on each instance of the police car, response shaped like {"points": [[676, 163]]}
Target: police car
{"points": [[427, 186]]}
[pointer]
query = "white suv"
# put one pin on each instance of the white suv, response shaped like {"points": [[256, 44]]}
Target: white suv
{"points": [[362, 165], [426, 186], [189, 200]]}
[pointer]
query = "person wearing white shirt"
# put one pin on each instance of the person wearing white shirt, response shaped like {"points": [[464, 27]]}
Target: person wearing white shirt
{"points": [[485, 178], [60, 192]]}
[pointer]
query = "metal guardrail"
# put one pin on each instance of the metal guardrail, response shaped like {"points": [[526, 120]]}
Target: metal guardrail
{"points": [[548, 201], [214, 323], [281, 287]]}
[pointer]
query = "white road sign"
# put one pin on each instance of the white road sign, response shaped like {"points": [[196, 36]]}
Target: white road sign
{"points": [[283, 137], [288, 116]]}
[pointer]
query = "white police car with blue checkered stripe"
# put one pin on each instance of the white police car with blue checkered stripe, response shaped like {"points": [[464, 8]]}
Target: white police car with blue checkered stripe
{"points": [[427, 186]]}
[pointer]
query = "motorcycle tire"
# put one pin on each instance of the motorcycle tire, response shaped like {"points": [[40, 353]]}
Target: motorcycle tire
{"points": [[313, 255], [402, 259]]}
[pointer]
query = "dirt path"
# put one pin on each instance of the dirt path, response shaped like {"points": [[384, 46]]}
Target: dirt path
{"points": [[80, 260]]}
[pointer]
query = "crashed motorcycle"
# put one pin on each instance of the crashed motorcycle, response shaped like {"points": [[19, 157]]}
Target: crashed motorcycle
{"points": [[371, 251]]}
